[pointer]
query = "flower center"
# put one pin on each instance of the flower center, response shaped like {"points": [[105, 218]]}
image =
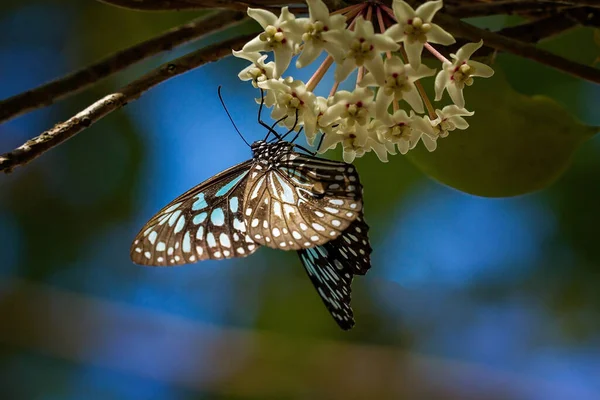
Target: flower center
{"points": [[258, 75], [461, 75], [273, 36], [396, 84], [398, 132], [416, 30], [361, 50], [350, 143], [291, 102], [314, 31], [356, 113]]}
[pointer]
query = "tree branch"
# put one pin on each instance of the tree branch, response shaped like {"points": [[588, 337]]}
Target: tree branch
{"points": [[177, 5], [461, 29], [47, 94], [37, 146]]}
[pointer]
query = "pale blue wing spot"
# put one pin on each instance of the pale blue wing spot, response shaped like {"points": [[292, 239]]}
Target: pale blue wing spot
{"points": [[226, 188], [233, 204], [172, 208], [210, 239], [199, 204], [198, 219], [200, 233], [174, 217], [180, 224], [217, 217], [152, 237], [161, 246], [186, 245]]}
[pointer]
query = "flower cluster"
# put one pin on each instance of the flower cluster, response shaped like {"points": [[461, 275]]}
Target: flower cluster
{"points": [[370, 117]]}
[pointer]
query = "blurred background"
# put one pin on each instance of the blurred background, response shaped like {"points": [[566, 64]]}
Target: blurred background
{"points": [[467, 298]]}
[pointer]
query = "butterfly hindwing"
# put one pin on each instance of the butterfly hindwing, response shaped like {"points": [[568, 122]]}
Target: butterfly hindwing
{"points": [[206, 222], [332, 266], [300, 201]]}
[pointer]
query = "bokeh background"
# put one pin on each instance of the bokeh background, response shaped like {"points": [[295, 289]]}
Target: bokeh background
{"points": [[468, 297]]}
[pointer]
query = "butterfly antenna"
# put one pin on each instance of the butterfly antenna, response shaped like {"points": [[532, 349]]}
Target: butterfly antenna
{"points": [[320, 141], [260, 121], [292, 128], [231, 119]]}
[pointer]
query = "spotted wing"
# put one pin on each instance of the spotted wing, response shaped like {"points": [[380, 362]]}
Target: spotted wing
{"points": [[301, 201], [204, 223], [332, 266]]}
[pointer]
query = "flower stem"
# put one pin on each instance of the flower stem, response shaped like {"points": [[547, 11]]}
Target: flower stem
{"points": [[421, 90], [436, 53], [319, 74], [348, 9]]}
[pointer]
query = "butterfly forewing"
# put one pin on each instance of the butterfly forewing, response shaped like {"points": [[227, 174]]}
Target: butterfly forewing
{"points": [[332, 266], [296, 201], [206, 222]]}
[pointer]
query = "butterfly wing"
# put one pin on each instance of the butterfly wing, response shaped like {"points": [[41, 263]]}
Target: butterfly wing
{"points": [[301, 201], [204, 223], [332, 266]]}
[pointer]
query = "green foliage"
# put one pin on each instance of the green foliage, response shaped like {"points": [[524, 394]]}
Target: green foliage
{"points": [[515, 144]]}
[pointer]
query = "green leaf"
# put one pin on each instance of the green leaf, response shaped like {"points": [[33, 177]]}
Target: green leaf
{"points": [[515, 144]]}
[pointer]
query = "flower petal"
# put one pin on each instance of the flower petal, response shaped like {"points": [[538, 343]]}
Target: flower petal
{"points": [[403, 11], [456, 95], [384, 43], [263, 17], [395, 32], [413, 51], [438, 35], [309, 54], [349, 156], [441, 80], [459, 122], [481, 69], [283, 56], [465, 52], [255, 45], [427, 10], [344, 69], [413, 98], [429, 143], [318, 10], [375, 67]]}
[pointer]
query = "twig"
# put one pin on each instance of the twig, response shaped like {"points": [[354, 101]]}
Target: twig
{"points": [[47, 94], [509, 7], [178, 5], [526, 50], [37, 146]]}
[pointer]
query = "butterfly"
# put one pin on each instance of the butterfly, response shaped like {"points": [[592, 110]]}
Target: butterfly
{"points": [[280, 198]]}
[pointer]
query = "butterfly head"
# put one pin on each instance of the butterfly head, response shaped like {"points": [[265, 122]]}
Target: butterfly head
{"points": [[263, 150]]}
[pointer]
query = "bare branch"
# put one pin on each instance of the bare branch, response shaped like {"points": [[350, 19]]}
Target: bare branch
{"points": [[461, 29], [177, 5], [37, 146], [47, 94]]}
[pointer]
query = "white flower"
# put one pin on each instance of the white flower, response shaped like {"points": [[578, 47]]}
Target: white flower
{"points": [[414, 28], [356, 141], [355, 107], [361, 47], [311, 30], [258, 71], [402, 130], [448, 119], [291, 99], [278, 36], [399, 85], [454, 76]]}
